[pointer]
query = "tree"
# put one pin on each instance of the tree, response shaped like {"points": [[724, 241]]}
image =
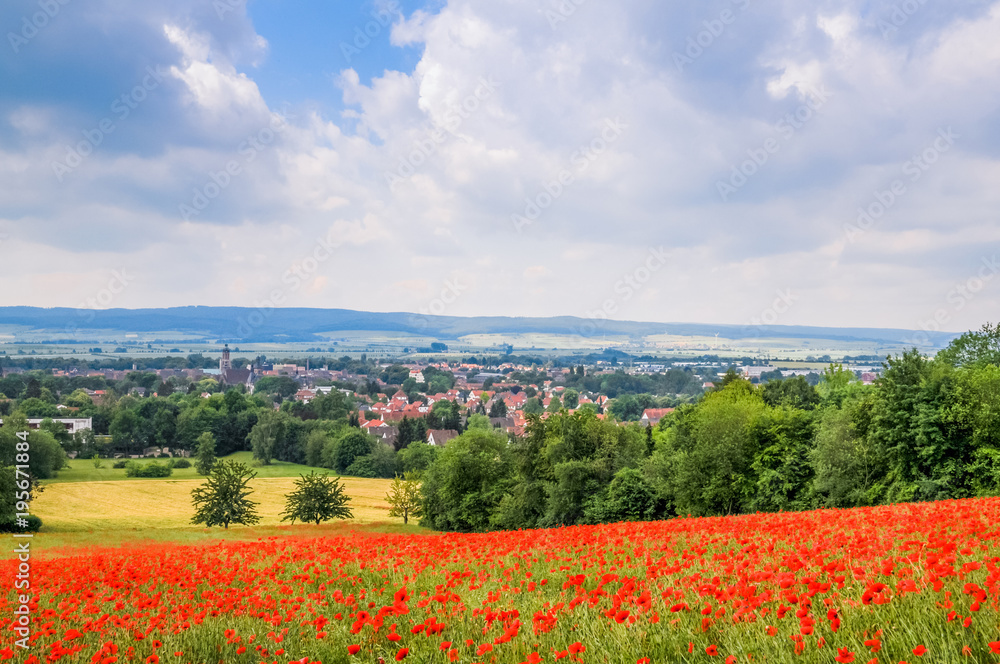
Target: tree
{"points": [[205, 460], [466, 481], [283, 386], [533, 406], [477, 421], [404, 497], [123, 430], [317, 498], [349, 447], [315, 442], [418, 457], [264, 436], [224, 497], [974, 348], [571, 399], [498, 408], [411, 431]]}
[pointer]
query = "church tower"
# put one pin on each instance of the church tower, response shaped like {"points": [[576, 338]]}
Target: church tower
{"points": [[224, 363]]}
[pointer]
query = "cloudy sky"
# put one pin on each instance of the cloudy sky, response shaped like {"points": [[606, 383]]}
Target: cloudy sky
{"points": [[731, 161]]}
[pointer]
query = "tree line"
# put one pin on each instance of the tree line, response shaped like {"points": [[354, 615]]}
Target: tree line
{"points": [[928, 429]]}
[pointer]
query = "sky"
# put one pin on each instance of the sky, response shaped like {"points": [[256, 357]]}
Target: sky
{"points": [[830, 163]]}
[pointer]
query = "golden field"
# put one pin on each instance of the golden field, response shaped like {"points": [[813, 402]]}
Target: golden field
{"points": [[166, 503]]}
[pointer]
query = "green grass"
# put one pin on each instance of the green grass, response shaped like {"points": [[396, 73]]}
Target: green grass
{"points": [[69, 543], [82, 470]]}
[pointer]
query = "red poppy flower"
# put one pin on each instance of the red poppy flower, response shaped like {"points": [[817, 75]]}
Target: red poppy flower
{"points": [[353, 649], [712, 650], [919, 651], [844, 656], [401, 655]]}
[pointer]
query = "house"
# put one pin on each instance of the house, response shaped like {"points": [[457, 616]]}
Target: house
{"points": [[305, 396], [755, 372], [72, 424], [505, 424], [440, 437], [386, 434], [652, 416]]}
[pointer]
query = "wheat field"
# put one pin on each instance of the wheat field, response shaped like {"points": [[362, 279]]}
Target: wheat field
{"points": [[149, 504]]}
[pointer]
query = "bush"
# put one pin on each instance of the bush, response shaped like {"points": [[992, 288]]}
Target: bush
{"points": [[363, 466], [154, 469], [10, 526], [182, 463], [121, 463]]}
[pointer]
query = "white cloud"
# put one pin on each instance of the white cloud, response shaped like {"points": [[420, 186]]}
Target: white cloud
{"points": [[477, 159]]}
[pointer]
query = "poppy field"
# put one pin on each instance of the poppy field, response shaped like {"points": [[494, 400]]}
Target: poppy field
{"points": [[904, 583]]}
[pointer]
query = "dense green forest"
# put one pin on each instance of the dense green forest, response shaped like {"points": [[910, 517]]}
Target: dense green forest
{"points": [[928, 429]]}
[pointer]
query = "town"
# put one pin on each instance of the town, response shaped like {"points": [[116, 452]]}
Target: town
{"points": [[387, 397]]}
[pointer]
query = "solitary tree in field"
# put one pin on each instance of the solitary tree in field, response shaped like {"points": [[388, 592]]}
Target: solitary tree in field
{"points": [[223, 498], [205, 459], [317, 498], [404, 497]]}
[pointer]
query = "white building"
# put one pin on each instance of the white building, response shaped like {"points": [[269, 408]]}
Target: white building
{"points": [[72, 424]]}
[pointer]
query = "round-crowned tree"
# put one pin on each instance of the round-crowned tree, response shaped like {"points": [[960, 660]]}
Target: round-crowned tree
{"points": [[224, 497], [317, 498]]}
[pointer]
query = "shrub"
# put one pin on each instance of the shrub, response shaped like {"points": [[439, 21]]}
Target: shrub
{"points": [[10, 526], [121, 463], [182, 463], [154, 469]]}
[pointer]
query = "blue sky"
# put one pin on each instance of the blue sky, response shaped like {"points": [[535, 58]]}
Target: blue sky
{"points": [[311, 42], [636, 160]]}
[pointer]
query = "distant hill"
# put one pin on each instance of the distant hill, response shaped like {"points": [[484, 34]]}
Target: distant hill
{"points": [[235, 324]]}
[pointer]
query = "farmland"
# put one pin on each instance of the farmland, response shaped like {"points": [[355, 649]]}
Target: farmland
{"points": [[154, 503], [88, 506], [914, 583]]}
